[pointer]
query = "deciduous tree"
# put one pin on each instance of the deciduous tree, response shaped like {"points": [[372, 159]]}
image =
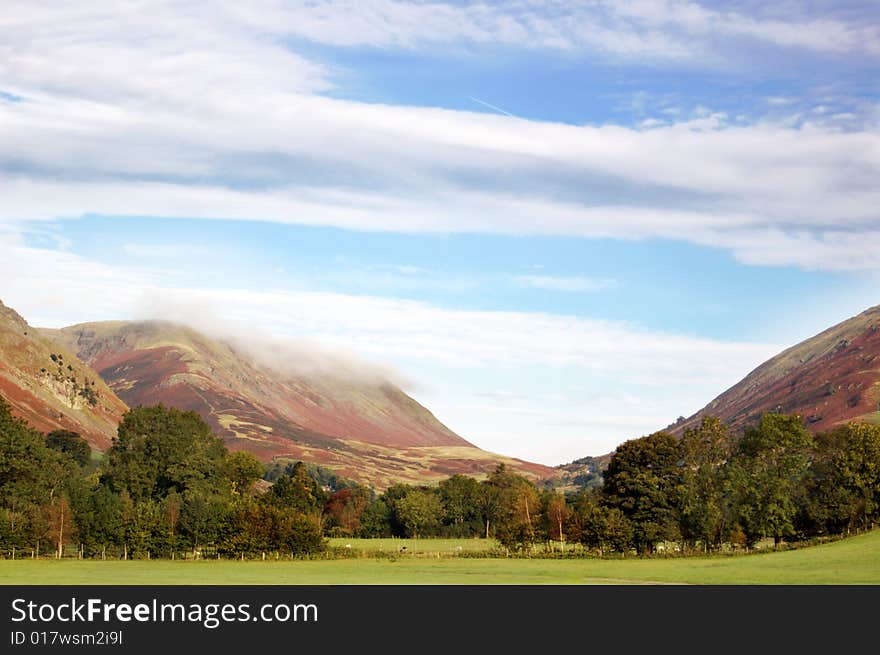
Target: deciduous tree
{"points": [[767, 476], [643, 481]]}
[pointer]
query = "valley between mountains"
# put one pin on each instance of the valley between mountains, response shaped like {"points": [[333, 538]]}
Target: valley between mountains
{"points": [[84, 377]]}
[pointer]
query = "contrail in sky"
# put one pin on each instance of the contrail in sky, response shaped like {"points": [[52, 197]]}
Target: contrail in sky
{"points": [[498, 109]]}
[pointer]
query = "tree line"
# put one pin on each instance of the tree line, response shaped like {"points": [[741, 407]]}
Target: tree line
{"points": [[706, 490], [168, 487]]}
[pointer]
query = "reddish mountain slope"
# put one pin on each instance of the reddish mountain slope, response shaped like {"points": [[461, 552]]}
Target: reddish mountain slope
{"points": [[368, 430], [50, 387], [831, 378]]}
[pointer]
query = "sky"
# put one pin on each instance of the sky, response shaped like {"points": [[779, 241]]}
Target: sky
{"points": [[559, 225]]}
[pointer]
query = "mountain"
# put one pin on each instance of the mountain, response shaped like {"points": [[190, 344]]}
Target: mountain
{"points": [[829, 379], [49, 387], [364, 427]]}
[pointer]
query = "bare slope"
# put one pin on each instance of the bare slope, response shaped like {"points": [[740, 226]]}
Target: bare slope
{"points": [[369, 430], [828, 379], [49, 387]]}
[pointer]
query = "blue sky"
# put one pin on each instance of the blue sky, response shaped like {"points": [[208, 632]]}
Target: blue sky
{"points": [[559, 224]]}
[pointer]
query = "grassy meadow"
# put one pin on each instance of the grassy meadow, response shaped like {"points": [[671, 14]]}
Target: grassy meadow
{"points": [[415, 546], [851, 561]]}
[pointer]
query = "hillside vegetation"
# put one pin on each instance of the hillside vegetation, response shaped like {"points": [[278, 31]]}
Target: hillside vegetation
{"points": [[46, 384], [829, 379]]}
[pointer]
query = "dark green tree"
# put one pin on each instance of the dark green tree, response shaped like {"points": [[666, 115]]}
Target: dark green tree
{"points": [[460, 496], [98, 514], [597, 526], [391, 497], [160, 450], [71, 443], [200, 519], [32, 477], [845, 486], [643, 481], [376, 520]]}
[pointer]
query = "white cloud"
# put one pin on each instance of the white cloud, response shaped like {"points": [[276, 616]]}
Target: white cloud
{"points": [[52, 288], [788, 30], [643, 28], [221, 120]]}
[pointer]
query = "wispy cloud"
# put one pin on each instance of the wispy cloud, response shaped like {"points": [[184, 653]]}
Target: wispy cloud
{"points": [[674, 29], [241, 131]]}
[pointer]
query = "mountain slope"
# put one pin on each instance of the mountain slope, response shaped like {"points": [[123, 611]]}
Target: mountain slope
{"points": [[828, 379], [50, 387], [367, 429]]}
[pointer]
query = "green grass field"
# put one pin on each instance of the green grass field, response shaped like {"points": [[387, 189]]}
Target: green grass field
{"points": [[426, 546], [851, 561]]}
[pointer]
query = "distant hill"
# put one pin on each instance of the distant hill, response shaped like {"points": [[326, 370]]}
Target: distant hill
{"points": [[583, 473], [365, 428], [48, 386], [828, 379]]}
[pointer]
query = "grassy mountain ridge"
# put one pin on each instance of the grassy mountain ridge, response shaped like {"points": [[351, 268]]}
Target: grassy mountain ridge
{"points": [[50, 387], [829, 379]]}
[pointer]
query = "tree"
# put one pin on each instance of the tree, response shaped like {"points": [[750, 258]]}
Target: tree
{"points": [[767, 476], [556, 514], [391, 497], [516, 507], [71, 443], [490, 504], [29, 471], [598, 526], [419, 511], [59, 524], [302, 534], [201, 517], [643, 481], [144, 529], [376, 520], [460, 497], [32, 477], [297, 490], [345, 508], [171, 508], [159, 450], [243, 470], [845, 485], [705, 514], [98, 515]]}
